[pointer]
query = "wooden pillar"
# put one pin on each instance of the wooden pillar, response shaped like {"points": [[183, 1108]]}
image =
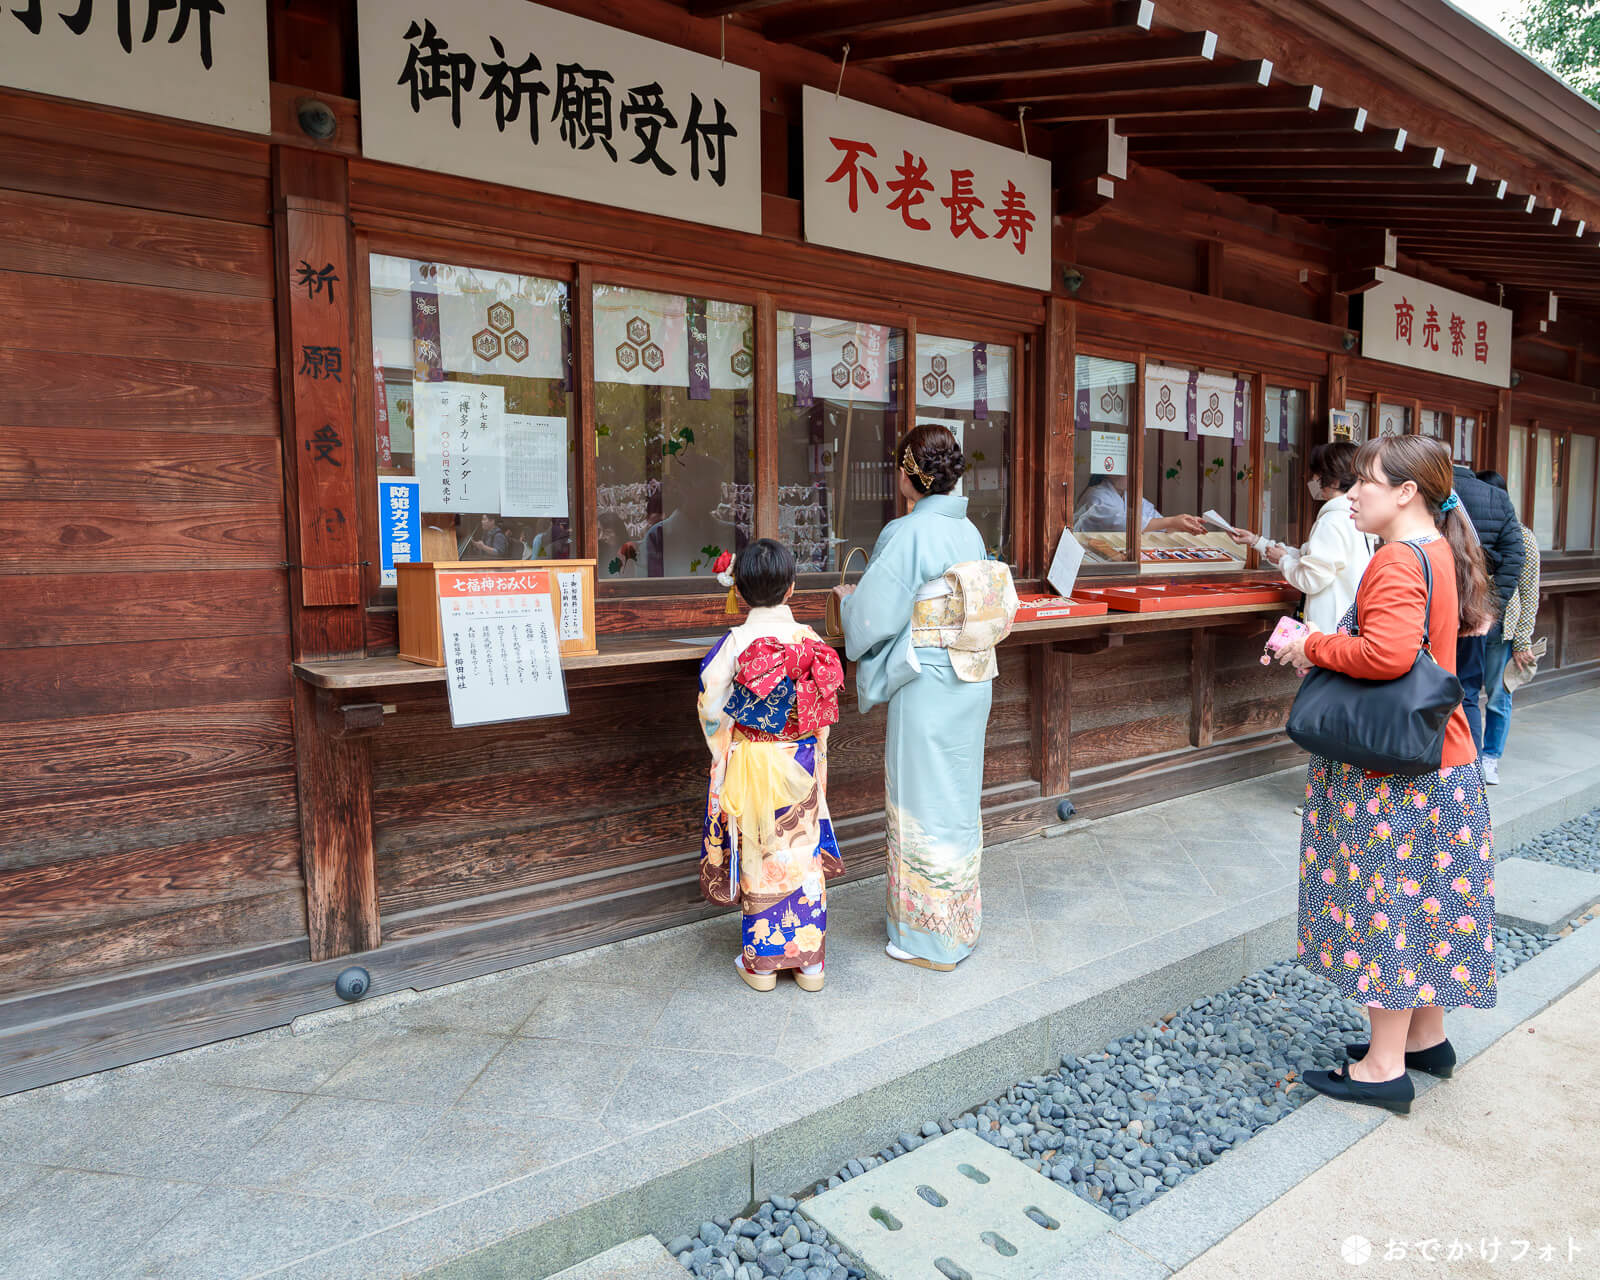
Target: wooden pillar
{"points": [[1054, 430], [1050, 673], [1497, 438], [321, 470], [1203, 682], [768, 508]]}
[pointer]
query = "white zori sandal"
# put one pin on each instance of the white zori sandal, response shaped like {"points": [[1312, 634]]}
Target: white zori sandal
{"points": [[905, 957]]}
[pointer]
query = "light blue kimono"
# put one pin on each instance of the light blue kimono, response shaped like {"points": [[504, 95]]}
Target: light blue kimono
{"points": [[933, 752]]}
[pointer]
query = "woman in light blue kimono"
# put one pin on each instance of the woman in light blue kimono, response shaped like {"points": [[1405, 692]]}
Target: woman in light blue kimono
{"points": [[922, 639]]}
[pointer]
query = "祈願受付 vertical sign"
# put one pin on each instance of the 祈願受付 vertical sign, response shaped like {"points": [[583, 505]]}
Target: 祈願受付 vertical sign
{"points": [[198, 60], [894, 187], [1411, 322], [502, 652], [511, 92]]}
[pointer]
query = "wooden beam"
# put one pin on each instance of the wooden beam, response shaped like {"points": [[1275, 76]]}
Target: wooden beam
{"points": [[1052, 719], [1332, 121], [848, 18], [728, 8], [1116, 85], [1169, 104], [1125, 55], [1162, 149], [1084, 26]]}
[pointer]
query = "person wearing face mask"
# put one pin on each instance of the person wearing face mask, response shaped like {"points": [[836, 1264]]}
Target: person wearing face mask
{"points": [[1329, 566]]}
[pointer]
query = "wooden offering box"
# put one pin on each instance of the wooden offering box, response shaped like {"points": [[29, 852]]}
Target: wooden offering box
{"points": [[1045, 608], [1161, 598], [421, 633]]}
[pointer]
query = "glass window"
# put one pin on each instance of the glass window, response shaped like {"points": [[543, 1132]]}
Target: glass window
{"points": [[839, 416], [1435, 425], [674, 426], [472, 372], [1464, 440], [1546, 486], [1106, 396], [1517, 469], [1360, 412], [1281, 459], [1580, 494], [966, 386], [1395, 419]]}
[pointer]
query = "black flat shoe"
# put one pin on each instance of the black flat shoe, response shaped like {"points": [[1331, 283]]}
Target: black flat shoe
{"points": [[1437, 1060], [1392, 1095]]}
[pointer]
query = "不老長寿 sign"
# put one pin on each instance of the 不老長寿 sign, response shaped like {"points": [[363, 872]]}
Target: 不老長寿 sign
{"points": [[895, 187]]}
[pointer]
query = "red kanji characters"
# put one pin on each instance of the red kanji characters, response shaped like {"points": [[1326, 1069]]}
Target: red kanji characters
{"points": [[851, 167], [1403, 312], [1480, 349], [909, 184], [1430, 328], [1014, 217], [1458, 334], [961, 202]]}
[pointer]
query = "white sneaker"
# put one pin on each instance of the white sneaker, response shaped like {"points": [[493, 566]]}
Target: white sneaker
{"points": [[1491, 770]]}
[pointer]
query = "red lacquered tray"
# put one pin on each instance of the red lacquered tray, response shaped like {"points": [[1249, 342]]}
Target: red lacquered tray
{"points": [[1159, 598], [1049, 608]]}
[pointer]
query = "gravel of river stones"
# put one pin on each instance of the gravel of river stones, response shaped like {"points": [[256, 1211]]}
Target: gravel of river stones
{"points": [[1119, 1127], [1573, 844]]}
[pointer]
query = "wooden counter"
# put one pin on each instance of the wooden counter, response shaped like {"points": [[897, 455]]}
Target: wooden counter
{"points": [[620, 652]]}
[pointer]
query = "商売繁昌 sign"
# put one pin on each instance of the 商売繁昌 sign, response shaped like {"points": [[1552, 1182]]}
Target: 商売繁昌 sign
{"points": [[516, 93], [1411, 322], [894, 187]]}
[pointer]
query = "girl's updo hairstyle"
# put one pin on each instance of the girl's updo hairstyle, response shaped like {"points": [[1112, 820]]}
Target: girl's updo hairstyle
{"points": [[931, 459]]}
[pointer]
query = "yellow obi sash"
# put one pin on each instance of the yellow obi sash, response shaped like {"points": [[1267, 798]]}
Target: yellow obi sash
{"points": [[761, 778], [966, 611]]}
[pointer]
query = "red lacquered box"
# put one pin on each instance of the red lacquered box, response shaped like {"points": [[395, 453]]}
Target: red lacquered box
{"points": [[1160, 598], [1047, 608]]}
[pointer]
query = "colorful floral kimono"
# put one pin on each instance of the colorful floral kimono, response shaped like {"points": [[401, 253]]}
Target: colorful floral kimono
{"points": [[769, 689], [915, 651]]}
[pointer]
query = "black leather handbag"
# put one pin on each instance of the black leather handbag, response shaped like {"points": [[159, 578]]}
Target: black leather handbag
{"points": [[1388, 726]]}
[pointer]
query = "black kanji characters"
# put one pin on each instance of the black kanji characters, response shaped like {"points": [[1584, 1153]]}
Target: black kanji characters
{"points": [[647, 113], [315, 279], [432, 71], [583, 106], [325, 439], [318, 363], [509, 85], [713, 135], [77, 22]]}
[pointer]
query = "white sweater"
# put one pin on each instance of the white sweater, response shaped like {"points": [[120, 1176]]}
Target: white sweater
{"points": [[1329, 567]]}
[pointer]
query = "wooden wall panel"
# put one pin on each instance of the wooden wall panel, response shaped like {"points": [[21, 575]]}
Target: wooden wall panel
{"points": [[1247, 697], [1581, 642], [1131, 700], [147, 767]]}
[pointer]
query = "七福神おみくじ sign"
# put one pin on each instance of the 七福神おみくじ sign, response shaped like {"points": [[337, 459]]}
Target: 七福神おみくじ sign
{"points": [[894, 187], [511, 92]]}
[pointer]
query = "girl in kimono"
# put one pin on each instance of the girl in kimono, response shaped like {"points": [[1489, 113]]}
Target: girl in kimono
{"points": [[769, 689], [921, 626]]}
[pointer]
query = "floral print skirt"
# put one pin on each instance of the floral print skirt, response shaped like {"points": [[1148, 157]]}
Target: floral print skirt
{"points": [[1397, 886]]}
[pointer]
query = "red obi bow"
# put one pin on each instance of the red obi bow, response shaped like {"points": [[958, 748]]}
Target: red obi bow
{"points": [[813, 668]]}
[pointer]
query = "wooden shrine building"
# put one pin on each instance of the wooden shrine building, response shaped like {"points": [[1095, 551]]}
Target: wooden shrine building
{"points": [[701, 262]]}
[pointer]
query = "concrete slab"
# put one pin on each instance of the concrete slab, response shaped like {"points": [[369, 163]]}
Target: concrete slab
{"points": [[959, 1207], [641, 1259], [1541, 896]]}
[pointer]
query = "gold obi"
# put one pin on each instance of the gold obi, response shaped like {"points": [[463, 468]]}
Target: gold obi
{"points": [[966, 611]]}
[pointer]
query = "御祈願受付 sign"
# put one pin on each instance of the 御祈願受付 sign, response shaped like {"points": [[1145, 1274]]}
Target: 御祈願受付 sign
{"points": [[511, 92], [894, 187]]}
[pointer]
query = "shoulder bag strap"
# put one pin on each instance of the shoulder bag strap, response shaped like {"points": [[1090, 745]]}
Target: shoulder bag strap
{"points": [[1427, 608]]}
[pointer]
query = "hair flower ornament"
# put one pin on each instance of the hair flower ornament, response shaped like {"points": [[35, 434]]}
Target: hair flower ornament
{"points": [[723, 565]]}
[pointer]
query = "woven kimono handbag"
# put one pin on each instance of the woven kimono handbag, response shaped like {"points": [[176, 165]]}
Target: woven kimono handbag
{"points": [[833, 616], [1388, 726]]}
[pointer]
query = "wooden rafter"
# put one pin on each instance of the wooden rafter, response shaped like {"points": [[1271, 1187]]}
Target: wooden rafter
{"points": [[1084, 26], [1208, 101], [852, 16], [1111, 87], [1307, 147], [1132, 53]]}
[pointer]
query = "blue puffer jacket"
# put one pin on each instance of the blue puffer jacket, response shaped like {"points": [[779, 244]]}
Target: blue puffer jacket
{"points": [[1495, 519]]}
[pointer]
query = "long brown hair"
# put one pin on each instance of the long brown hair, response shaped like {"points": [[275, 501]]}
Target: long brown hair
{"points": [[1426, 463]]}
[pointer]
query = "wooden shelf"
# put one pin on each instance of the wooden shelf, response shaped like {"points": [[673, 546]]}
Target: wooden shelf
{"points": [[620, 653]]}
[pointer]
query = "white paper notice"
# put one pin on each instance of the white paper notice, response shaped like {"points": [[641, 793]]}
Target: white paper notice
{"points": [[1064, 567], [502, 659], [1108, 453], [459, 446], [535, 478], [571, 588]]}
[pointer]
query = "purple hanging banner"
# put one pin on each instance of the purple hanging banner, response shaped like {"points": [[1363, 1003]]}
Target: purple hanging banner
{"points": [[1080, 414], [1191, 422], [802, 362], [566, 342], [980, 379], [1283, 421], [699, 359], [427, 355], [1238, 412]]}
